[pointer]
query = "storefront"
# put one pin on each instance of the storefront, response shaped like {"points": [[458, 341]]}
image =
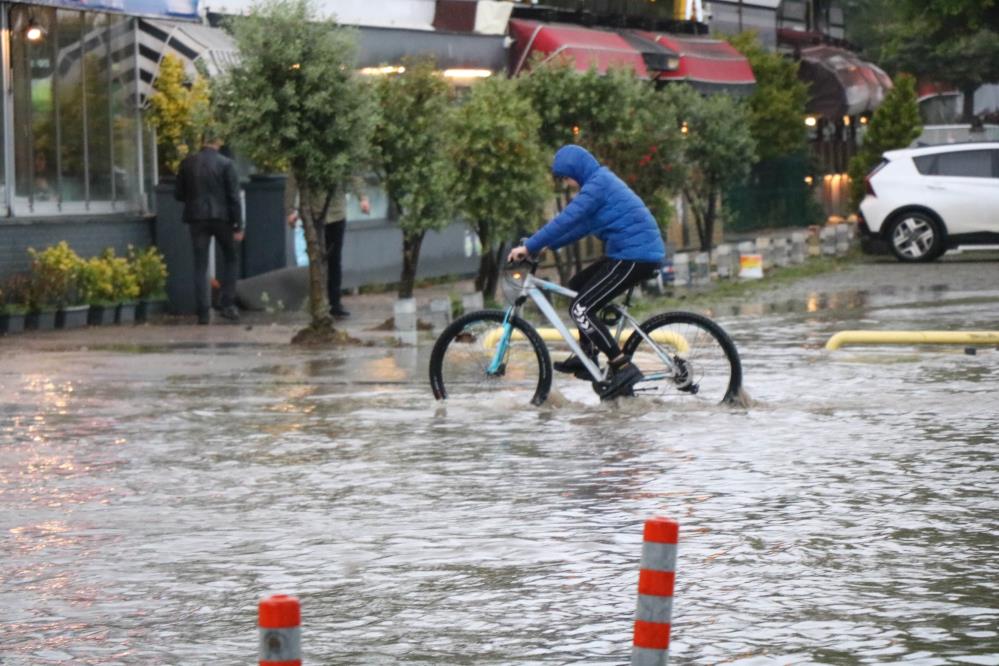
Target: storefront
{"points": [[76, 162]]}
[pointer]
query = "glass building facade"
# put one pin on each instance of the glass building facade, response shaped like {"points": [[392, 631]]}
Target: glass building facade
{"points": [[72, 141]]}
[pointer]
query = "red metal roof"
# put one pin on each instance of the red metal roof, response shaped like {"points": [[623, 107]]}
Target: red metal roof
{"points": [[706, 62], [587, 47]]}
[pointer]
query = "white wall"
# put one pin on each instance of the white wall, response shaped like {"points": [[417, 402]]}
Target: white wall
{"points": [[418, 14]]}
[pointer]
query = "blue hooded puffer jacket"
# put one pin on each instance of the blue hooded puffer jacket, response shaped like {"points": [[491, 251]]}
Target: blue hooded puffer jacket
{"points": [[604, 207]]}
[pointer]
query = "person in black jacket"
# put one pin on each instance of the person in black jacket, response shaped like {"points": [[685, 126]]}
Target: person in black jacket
{"points": [[208, 185]]}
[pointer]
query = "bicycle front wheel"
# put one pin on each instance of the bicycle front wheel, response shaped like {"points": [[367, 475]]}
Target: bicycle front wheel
{"points": [[704, 367], [469, 360]]}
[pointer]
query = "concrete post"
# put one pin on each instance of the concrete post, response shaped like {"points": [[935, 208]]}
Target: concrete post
{"points": [[681, 270], [799, 243]]}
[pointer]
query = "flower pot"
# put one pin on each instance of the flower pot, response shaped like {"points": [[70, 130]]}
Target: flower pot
{"points": [[147, 310], [72, 316], [101, 315], [11, 322], [40, 320], [125, 313]]}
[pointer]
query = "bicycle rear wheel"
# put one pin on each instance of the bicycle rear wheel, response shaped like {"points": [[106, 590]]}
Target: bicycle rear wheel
{"points": [[709, 369], [463, 354]]}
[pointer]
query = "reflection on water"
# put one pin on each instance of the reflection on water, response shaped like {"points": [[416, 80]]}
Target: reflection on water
{"points": [[848, 516]]}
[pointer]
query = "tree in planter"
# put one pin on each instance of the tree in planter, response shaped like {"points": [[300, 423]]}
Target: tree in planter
{"points": [[504, 183], [295, 102], [719, 149], [895, 124], [413, 139], [177, 111]]}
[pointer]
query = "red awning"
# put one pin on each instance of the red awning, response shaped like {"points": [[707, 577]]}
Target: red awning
{"points": [[710, 65], [841, 83], [587, 47]]}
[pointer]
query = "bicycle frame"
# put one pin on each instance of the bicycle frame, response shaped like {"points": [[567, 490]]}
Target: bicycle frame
{"points": [[533, 288]]}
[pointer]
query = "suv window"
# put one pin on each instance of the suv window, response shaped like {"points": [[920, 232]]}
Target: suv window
{"points": [[967, 163]]}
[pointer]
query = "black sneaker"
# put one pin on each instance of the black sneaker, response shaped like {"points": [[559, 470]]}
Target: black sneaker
{"points": [[621, 382], [230, 313], [338, 312], [572, 366]]}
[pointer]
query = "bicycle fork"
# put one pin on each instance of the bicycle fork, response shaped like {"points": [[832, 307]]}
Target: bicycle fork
{"points": [[497, 366]]}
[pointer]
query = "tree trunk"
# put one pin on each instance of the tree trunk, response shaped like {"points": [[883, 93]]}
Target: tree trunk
{"points": [[691, 195], [492, 276], [411, 242], [709, 220], [482, 230], [315, 247], [968, 110]]}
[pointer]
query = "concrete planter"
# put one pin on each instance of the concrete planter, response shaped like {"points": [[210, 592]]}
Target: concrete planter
{"points": [[799, 247], [11, 322], [149, 309], [73, 316], [43, 320], [125, 313], [681, 270], [101, 315], [440, 313]]}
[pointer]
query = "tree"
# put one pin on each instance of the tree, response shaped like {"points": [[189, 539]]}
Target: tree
{"points": [[504, 183], [413, 138], [177, 111], [720, 150], [777, 103], [946, 41], [294, 101], [895, 124]]}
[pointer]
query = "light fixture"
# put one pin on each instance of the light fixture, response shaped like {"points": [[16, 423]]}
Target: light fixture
{"points": [[809, 180], [33, 32], [846, 120], [683, 128], [810, 121], [863, 120], [468, 73], [382, 71]]}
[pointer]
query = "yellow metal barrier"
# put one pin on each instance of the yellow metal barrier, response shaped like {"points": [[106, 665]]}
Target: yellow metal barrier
{"points": [[913, 338], [675, 340]]}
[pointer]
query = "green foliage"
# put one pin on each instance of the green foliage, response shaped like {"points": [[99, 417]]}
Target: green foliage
{"points": [[15, 294], [895, 124], [179, 111], [777, 103], [54, 278], [413, 139], [951, 41], [150, 271], [294, 101], [719, 149], [107, 280], [504, 180]]}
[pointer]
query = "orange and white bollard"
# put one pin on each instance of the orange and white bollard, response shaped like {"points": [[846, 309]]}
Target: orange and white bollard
{"points": [[650, 646], [279, 620]]}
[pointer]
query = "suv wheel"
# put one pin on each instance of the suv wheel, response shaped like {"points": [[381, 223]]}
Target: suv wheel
{"points": [[916, 236]]}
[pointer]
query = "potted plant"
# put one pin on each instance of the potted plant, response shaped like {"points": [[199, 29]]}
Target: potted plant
{"points": [[97, 287], [13, 303], [125, 285], [54, 297], [150, 271]]}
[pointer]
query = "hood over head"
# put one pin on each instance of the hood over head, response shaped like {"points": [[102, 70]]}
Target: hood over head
{"points": [[574, 162]]}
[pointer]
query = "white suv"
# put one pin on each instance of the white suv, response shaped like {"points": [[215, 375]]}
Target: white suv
{"points": [[924, 201]]}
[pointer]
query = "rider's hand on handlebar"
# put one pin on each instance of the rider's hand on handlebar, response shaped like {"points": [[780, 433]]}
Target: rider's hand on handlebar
{"points": [[518, 253]]}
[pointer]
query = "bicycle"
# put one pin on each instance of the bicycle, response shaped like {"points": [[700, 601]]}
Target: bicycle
{"points": [[682, 355]]}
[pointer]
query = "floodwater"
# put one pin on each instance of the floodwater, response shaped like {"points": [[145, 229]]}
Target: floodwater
{"points": [[149, 497]]}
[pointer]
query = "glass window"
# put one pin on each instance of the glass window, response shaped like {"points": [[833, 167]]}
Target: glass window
{"points": [[71, 112], [926, 164], [968, 163], [97, 79], [32, 49], [125, 152]]}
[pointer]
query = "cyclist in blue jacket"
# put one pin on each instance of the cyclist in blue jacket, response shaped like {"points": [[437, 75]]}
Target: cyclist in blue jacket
{"points": [[607, 208]]}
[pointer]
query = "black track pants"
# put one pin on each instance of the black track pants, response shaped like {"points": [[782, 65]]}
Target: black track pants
{"points": [[596, 286]]}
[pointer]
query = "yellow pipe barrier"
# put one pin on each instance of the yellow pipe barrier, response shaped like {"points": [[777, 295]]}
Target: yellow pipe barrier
{"points": [[670, 338], [913, 338]]}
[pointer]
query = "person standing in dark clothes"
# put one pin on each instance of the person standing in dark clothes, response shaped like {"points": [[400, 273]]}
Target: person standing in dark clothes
{"points": [[208, 185]]}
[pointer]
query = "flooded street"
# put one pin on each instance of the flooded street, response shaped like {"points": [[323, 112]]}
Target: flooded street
{"points": [[151, 494]]}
